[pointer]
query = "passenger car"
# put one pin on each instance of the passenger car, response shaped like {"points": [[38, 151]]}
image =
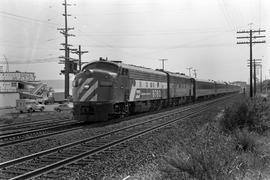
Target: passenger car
{"points": [[28, 105], [63, 107]]}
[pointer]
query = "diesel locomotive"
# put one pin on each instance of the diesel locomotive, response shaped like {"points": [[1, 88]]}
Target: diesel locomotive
{"points": [[104, 89]]}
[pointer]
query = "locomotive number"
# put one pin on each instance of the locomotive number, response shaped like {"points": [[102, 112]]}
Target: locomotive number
{"points": [[156, 93]]}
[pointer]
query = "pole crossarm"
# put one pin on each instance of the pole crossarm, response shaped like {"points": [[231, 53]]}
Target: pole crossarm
{"points": [[252, 31], [255, 60], [79, 52], [258, 42], [258, 37], [259, 31], [252, 62], [242, 31], [243, 42], [242, 37]]}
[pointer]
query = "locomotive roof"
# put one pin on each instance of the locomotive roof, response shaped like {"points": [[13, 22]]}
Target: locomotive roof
{"points": [[178, 75], [131, 67], [139, 68]]}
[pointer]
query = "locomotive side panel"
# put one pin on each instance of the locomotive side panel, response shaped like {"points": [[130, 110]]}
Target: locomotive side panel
{"points": [[147, 86]]}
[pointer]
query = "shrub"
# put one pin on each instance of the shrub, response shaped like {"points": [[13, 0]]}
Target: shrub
{"points": [[206, 156], [245, 140], [245, 114]]}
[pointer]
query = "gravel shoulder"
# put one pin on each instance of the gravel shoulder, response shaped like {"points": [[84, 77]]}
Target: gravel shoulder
{"points": [[143, 157]]}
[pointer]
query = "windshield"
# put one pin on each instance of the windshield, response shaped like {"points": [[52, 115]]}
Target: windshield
{"points": [[102, 65]]}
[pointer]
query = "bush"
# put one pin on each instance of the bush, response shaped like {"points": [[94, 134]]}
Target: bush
{"points": [[208, 155], [245, 114], [245, 140], [225, 149]]}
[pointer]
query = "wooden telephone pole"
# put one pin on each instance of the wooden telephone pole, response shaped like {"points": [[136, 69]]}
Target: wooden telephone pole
{"points": [[163, 63], [251, 42], [80, 53], [66, 58]]}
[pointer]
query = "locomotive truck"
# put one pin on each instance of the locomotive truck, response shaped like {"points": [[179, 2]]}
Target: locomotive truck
{"points": [[105, 89]]}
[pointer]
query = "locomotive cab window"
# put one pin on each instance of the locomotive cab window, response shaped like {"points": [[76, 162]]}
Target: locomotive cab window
{"points": [[124, 72], [101, 65]]}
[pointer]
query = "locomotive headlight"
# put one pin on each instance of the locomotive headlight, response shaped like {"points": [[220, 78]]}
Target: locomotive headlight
{"points": [[86, 86]]}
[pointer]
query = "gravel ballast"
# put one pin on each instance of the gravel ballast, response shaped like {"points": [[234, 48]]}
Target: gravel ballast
{"points": [[140, 157], [143, 157]]}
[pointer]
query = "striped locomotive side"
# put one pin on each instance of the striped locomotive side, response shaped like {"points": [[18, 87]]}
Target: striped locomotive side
{"points": [[88, 90], [148, 90]]}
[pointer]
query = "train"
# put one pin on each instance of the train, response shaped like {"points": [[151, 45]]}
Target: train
{"points": [[105, 89]]}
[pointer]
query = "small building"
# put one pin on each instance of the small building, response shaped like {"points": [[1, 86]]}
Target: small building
{"points": [[19, 85]]}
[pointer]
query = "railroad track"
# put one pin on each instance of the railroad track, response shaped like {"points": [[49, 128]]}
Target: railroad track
{"points": [[76, 154], [32, 122], [37, 133], [15, 128]]}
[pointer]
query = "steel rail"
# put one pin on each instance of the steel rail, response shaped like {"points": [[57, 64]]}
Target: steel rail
{"points": [[26, 124], [45, 152], [42, 126], [38, 137], [34, 121], [104, 147]]}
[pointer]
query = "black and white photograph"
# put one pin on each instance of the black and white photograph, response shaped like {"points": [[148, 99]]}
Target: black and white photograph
{"points": [[135, 89]]}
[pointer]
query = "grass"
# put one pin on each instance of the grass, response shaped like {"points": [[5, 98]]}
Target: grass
{"points": [[229, 148], [250, 114], [203, 158]]}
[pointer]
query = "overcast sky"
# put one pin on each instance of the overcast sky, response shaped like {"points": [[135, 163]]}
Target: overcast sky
{"points": [[189, 33]]}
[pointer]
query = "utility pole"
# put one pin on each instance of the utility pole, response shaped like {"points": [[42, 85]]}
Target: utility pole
{"points": [[195, 73], [261, 76], [163, 63], [251, 42], [66, 61], [80, 53], [256, 62], [7, 67], [189, 68]]}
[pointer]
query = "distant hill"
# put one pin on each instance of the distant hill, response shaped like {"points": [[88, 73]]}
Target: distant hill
{"points": [[57, 85]]}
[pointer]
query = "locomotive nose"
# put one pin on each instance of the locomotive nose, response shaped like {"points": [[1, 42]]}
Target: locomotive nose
{"points": [[84, 86], [87, 83]]}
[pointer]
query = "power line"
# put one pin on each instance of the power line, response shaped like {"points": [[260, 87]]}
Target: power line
{"points": [[11, 15], [149, 33], [251, 43], [33, 61]]}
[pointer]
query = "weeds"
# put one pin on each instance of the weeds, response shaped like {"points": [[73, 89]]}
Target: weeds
{"points": [[245, 114], [203, 158], [245, 140], [227, 149]]}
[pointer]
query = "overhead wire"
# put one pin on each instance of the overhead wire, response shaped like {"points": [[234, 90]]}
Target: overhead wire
{"points": [[19, 17], [221, 4], [34, 61]]}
